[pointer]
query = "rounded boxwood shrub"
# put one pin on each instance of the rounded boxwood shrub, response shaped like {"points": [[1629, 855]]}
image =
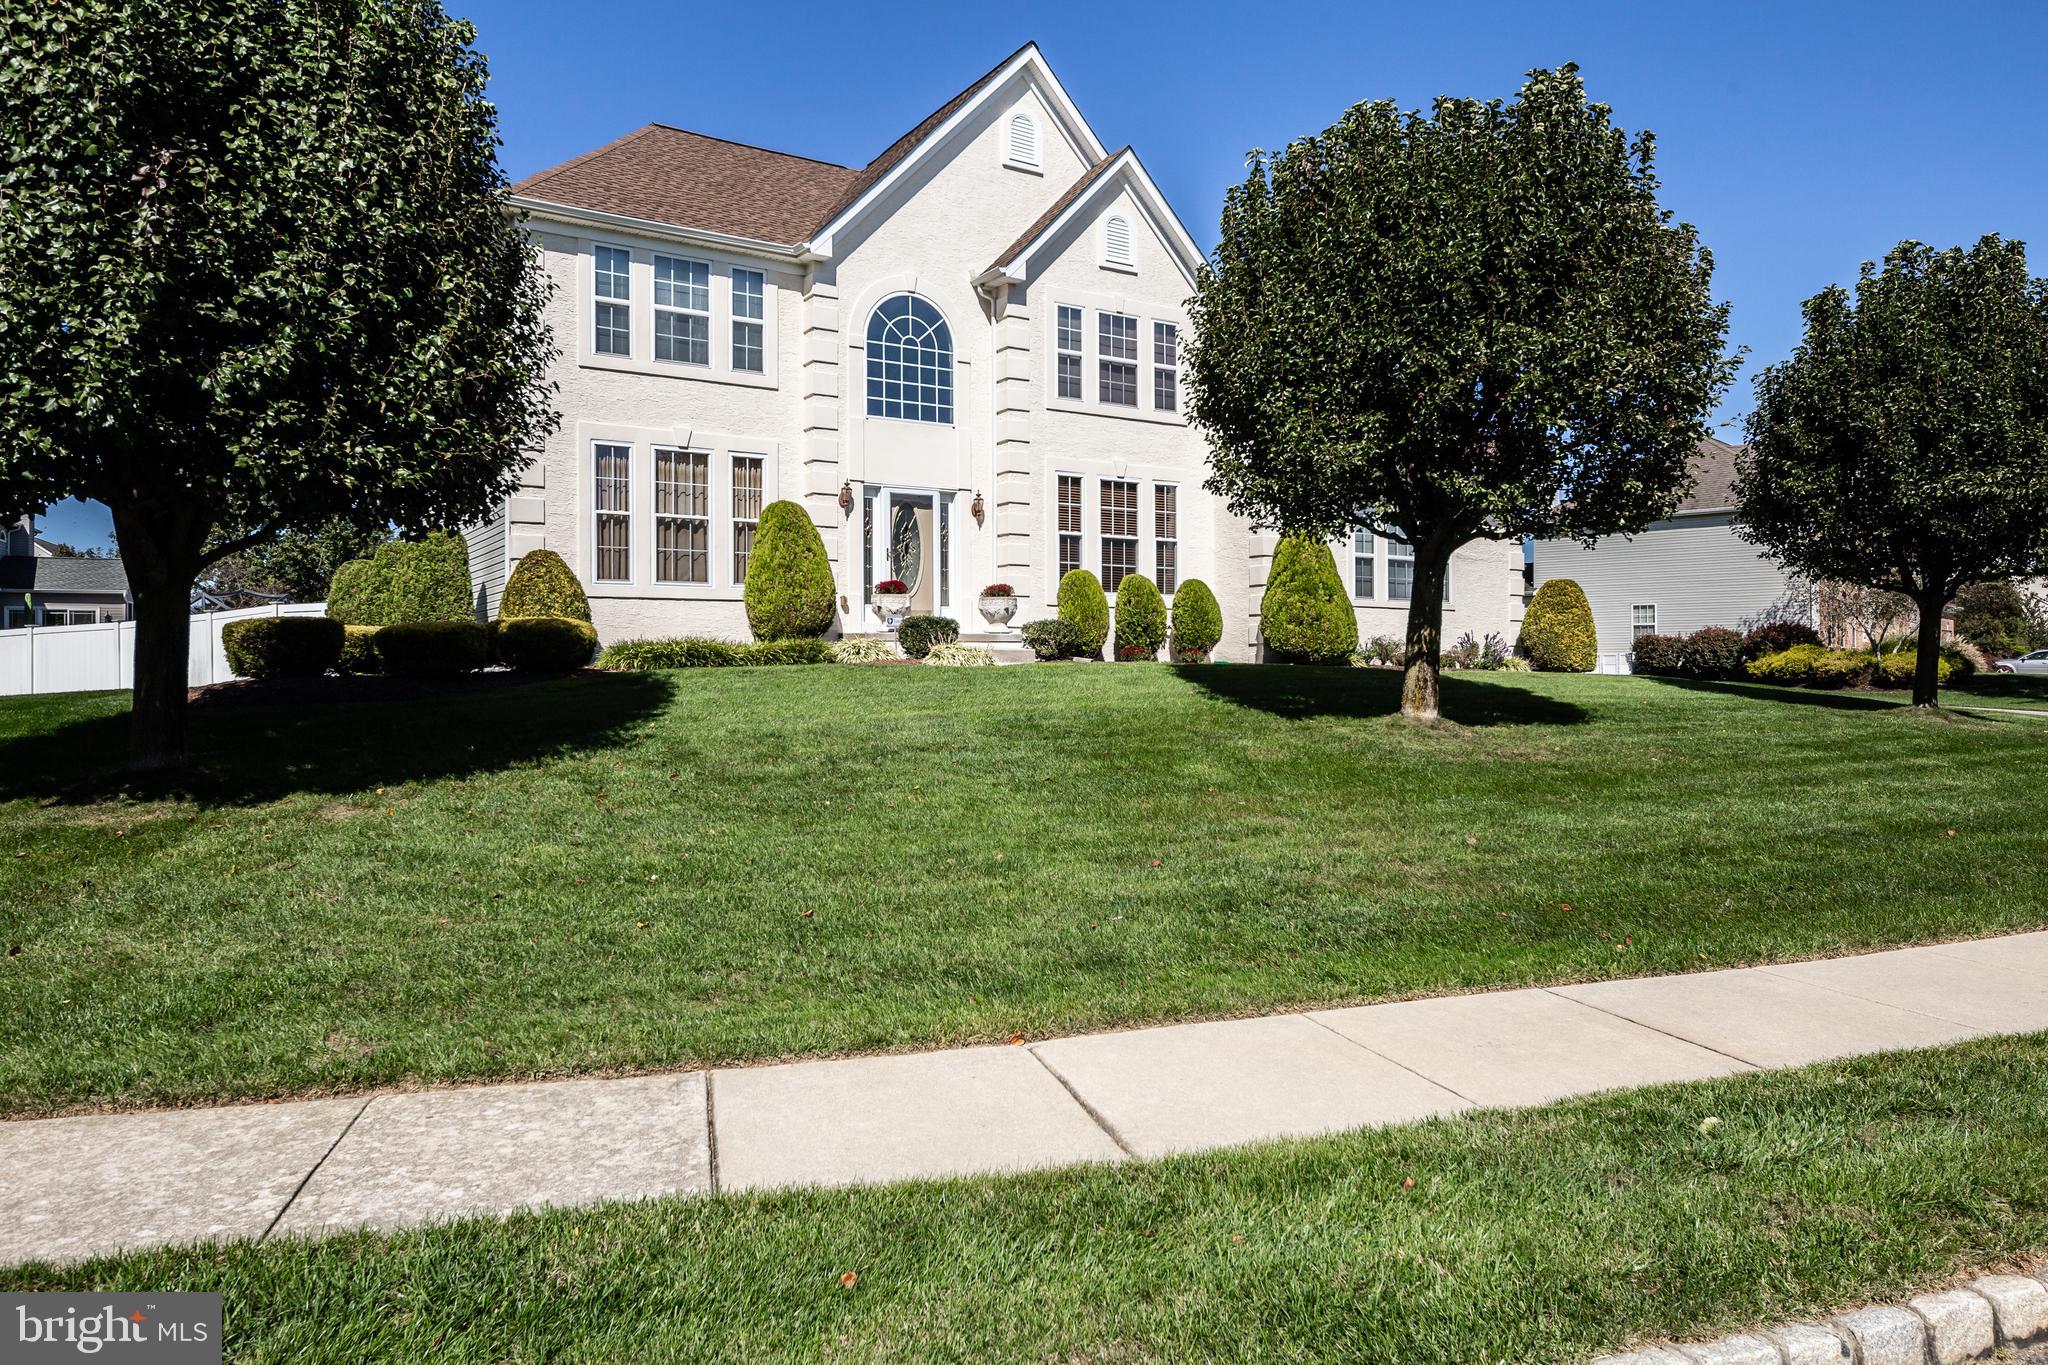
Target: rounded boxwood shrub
{"points": [[282, 646], [1658, 656], [403, 582], [1083, 606], [1897, 670], [1557, 633], [1197, 621], [359, 651], [543, 644], [433, 649], [789, 591], [1306, 616], [543, 584], [1713, 652], [917, 634], [1052, 639], [1140, 618]]}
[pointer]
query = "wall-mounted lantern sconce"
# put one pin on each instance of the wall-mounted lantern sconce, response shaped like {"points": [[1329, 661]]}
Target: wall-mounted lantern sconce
{"points": [[979, 507], [845, 497]]}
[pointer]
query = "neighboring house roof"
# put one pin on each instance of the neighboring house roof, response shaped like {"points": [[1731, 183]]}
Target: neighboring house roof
{"points": [[669, 175], [1713, 470], [60, 574]]}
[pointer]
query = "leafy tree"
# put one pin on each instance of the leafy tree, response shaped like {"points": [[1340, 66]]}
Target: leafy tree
{"points": [[1904, 446], [1472, 323], [257, 275], [298, 565], [1853, 614], [2000, 619]]}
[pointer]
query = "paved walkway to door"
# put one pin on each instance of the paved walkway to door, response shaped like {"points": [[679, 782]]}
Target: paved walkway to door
{"points": [[79, 1186]]}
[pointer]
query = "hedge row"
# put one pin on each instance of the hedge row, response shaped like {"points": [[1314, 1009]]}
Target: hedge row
{"points": [[634, 656], [405, 581], [1812, 665]]}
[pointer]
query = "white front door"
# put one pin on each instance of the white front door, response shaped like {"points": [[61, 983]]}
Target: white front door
{"points": [[907, 537]]}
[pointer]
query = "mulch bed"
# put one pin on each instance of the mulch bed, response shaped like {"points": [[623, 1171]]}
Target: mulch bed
{"points": [[365, 688]]}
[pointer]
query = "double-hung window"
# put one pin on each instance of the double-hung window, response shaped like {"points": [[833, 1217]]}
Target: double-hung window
{"points": [[1361, 562], [1166, 536], [1400, 570], [1067, 342], [1119, 531], [613, 289], [682, 516], [682, 310], [1117, 345], [749, 294], [1165, 367], [746, 511], [1642, 621], [1070, 523], [613, 487]]}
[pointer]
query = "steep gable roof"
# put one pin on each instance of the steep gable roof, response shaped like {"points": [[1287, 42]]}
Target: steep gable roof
{"points": [[1059, 206], [1713, 469]]}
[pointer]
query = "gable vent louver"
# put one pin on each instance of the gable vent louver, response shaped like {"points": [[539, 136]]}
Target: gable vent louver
{"points": [[1023, 140], [1116, 241]]}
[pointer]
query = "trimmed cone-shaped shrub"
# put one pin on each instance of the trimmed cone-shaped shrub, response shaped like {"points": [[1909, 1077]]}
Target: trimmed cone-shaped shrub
{"points": [[917, 634], [282, 646], [403, 582], [543, 584], [1197, 620], [1083, 606], [542, 644], [1140, 618], [1557, 633], [1306, 615], [359, 651], [433, 649], [790, 593]]}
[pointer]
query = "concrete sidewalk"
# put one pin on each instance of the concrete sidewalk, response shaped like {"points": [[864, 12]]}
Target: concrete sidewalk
{"points": [[81, 1186]]}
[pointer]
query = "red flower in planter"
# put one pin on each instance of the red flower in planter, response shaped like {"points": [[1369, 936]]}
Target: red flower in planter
{"points": [[892, 585], [998, 590]]}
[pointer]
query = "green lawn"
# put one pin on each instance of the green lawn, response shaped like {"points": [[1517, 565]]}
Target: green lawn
{"points": [[1538, 1235], [649, 871]]}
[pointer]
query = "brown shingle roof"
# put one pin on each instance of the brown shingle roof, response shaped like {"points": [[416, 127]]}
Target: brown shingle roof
{"points": [[668, 175], [1059, 206], [1714, 469]]}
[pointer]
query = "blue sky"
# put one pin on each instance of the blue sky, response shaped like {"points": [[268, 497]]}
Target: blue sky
{"points": [[1800, 138]]}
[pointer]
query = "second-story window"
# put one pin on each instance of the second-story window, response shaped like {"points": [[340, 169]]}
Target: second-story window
{"points": [[682, 310], [613, 288], [1067, 341], [749, 293], [910, 361], [1117, 345], [1165, 367]]}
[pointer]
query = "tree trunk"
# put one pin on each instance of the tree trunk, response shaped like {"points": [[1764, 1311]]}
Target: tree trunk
{"points": [[160, 580], [1927, 660], [1421, 684]]}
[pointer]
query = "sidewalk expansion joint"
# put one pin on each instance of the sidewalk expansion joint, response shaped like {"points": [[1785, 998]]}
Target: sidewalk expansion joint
{"points": [[307, 1179]]}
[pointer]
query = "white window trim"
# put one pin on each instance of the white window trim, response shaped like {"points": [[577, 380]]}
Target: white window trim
{"points": [[1091, 304], [1151, 494], [734, 321], [774, 283], [708, 312], [1154, 369], [1091, 523], [1635, 607], [656, 516], [595, 300], [721, 448], [633, 463]]}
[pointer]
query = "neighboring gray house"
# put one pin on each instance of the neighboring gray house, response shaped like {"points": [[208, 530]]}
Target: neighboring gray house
{"points": [[1678, 575], [39, 587]]}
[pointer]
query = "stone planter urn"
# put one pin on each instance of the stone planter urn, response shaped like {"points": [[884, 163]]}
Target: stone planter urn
{"points": [[997, 604], [892, 600]]}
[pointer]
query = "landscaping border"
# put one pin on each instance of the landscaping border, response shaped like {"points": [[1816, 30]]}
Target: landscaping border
{"points": [[1991, 1313]]}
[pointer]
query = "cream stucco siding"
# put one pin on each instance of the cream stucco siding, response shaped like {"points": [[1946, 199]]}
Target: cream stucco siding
{"points": [[1694, 571]]}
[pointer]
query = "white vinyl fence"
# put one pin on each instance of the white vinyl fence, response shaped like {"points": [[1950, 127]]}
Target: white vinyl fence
{"points": [[102, 657]]}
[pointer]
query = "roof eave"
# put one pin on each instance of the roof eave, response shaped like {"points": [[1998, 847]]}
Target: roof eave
{"points": [[548, 210], [1186, 254]]}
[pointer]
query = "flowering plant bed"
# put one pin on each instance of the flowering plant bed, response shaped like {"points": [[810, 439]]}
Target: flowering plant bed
{"points": [[999, 590]]}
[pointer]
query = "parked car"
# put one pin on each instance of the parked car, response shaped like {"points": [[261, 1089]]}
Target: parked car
{"points": [[2036, 662]]}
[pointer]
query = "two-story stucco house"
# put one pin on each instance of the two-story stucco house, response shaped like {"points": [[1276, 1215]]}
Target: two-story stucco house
{"points": [[963, 359], [1680, 575]]}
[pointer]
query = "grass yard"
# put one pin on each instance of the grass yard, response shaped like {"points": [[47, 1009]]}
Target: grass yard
{"points": [[1536, 1235], [653, 871]]}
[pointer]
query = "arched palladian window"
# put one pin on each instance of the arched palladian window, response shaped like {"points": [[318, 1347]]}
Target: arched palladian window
{"points": [[910, 361]]}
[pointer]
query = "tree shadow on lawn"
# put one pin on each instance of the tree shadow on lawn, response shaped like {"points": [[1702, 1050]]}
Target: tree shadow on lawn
{"points": [[1298, 692], [1847, 700], [250, 754]]}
